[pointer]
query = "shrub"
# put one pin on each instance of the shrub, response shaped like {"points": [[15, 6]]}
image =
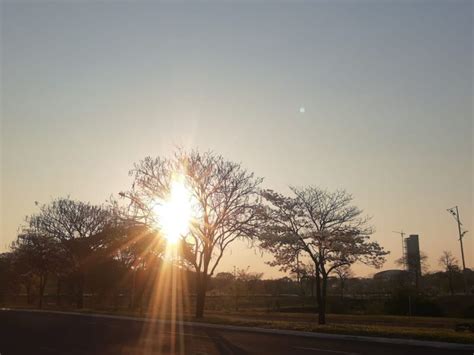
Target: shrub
{"points": [[403, 303], [468, 312]]}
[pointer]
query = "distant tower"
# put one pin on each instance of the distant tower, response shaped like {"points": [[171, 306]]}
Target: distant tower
{"points": [[412, 252]]}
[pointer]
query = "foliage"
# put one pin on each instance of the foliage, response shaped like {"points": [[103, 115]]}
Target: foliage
{"points": [[76, 229], [38, 256]]}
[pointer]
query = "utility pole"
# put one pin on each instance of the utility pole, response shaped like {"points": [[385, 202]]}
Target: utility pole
{"points": [[402, 234], [455, 213], [461, 235]]}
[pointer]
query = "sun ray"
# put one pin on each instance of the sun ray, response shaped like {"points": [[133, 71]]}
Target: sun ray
{"points": [[173, 216]]}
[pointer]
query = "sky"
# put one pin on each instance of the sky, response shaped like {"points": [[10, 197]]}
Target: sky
{"points": [[372, 97]]}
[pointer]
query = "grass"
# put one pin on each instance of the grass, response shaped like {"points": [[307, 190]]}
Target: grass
{"points": [[420, 328], [379, 320], [432, 334]]}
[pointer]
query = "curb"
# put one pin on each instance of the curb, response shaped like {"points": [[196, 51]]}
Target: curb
{"points": [[361, 338]]}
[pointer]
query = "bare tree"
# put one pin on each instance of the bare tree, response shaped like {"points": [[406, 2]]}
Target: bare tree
{"points": [[78, 227], [322, 225], [451, 266], [343, 273], [417, 267], [307, 274], [225, 206]]}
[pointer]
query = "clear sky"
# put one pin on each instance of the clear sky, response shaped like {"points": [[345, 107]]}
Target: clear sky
{"points": [[89, 88]]}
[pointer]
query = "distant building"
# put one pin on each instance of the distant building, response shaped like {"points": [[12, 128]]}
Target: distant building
{"points": [[390, 275], [412, 255]]}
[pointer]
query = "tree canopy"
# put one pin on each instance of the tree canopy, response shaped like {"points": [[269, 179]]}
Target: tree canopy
{"points": [[321, 225]]}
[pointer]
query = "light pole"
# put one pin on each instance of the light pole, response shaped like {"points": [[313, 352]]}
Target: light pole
{"points": [[455, 213]]}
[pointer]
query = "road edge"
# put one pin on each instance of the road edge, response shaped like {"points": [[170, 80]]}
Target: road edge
{"points": [[361, 338]]}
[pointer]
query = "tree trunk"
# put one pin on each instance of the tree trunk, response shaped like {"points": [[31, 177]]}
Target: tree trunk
{"points": [[43, 280], [236, 297], [80, 291], [58, 292], [201, 288], [116, 299], [320, 300], [450, 280], [132, 292], [322, 304], [28, 293]]}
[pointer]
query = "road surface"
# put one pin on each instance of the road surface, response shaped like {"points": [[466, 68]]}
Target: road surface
{"points": [[56, 333]]}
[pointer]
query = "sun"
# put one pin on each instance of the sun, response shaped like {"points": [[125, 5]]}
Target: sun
{"points": [[173, 215]]}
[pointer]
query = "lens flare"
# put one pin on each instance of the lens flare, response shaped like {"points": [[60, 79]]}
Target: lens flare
{"points": [[174, 214]]}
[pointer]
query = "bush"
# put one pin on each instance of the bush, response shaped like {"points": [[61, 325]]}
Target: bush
{"points": [[468, 312], [427, 308], [402, 304]]}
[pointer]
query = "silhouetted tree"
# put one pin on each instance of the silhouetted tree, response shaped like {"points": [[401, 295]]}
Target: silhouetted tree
{"points": [[139, 249], [244, 283], [322, 225], [451, 267], [78, 227], [343, 273], [307, 273], [223, 282], [225, 206], [9, 278], [137, 246], [40, 256]]}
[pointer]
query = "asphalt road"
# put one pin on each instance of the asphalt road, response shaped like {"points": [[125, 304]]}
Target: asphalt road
{"points": [[53, 333]]}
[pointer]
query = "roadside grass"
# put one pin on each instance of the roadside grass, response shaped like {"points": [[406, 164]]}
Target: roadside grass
{"points": [[402, 321], [432, 334], [420, 328]]}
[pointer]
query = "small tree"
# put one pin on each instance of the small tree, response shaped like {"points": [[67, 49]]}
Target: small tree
{"points": [[40, 255], [450, 266], [343, 273], [245, 283], [225, 206], [307, 273], [223, 282], [324, 226]]}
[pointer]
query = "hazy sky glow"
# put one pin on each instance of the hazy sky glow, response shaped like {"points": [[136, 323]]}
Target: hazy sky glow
{"points": [[89, 88]]}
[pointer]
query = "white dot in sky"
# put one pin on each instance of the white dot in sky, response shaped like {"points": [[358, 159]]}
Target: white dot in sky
{"points": [[302, 110]]}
